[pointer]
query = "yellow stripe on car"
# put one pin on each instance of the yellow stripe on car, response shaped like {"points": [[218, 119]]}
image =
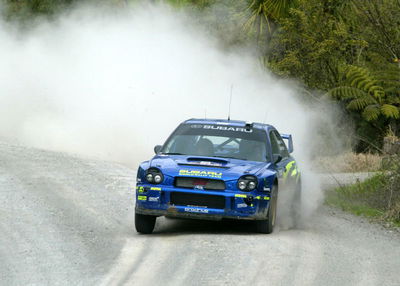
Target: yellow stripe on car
{"points": [[142, 198], [288, 168], [240, 196]]}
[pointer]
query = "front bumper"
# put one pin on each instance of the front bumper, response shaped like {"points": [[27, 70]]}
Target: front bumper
{"points": [[156, 200]]}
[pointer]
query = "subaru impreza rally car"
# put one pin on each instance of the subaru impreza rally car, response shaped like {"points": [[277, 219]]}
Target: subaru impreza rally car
{"points": [[215, 169]]}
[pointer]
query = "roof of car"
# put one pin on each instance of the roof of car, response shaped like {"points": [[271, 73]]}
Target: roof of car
{"points": [[226, 122]]}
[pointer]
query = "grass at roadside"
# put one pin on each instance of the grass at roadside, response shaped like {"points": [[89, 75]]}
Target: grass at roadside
{"points": [[376, 198]]}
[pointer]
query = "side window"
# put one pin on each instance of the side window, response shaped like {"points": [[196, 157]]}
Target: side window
{"points": [[274, 143], [281, 145]]}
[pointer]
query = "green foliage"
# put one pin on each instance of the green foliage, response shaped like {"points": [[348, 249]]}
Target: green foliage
{"points": [[320, 40], [24, 8], [378, 21], [312, 43], [365, 93], [193, 3], [390, 80], [261, 16]]}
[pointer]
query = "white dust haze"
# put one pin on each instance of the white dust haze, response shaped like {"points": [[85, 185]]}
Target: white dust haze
{"points": [[113, 85]]}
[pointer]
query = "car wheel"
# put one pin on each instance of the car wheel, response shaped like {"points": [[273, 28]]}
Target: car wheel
{"points": [[144, 223], [267, 226]]}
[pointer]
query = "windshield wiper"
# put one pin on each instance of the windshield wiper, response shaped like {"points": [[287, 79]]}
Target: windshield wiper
{"points": [[172, 154]]}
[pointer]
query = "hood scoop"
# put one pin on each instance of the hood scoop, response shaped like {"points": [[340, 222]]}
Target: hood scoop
{"points": [[205, 162]]}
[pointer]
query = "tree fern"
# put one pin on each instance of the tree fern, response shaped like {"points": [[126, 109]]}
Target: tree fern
{"points": [[361, 102], [370, 94], [346, 92], [390, 111], [390, 79], [371, 112], [261, 13]]}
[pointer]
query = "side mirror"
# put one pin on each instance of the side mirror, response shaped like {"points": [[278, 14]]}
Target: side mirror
{"points": [[157, 149], [289, 139], [276, 158]]}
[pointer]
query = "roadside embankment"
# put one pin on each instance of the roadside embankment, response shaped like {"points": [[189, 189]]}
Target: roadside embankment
{"points": [[377, 197]]}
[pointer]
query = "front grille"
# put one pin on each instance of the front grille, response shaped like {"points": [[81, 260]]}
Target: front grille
{"points": [[199, 183], [198, 200]]}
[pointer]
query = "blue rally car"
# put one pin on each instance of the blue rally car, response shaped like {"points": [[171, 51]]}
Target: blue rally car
{"points": [[215, 169]]}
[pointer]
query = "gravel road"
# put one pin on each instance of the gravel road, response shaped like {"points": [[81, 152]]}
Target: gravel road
{"points": [[65, 220]]}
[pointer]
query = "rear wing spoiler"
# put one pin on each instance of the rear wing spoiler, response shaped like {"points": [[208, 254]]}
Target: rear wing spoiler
{"points": [[289, 139]]}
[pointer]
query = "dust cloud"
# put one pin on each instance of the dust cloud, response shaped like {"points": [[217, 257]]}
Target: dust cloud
{"points": [[111, 85]]}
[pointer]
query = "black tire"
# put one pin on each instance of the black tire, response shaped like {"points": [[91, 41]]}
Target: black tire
{"points": [[267, 226], [144, 223]]}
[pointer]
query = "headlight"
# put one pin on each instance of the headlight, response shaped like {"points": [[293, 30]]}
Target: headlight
{"points": [[247, 183], [154, 176], [251, 185], [149, 178], [242, 185], [157, 179]]}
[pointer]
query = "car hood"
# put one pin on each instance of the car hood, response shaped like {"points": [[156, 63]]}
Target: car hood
{"points": [[206, 167]]}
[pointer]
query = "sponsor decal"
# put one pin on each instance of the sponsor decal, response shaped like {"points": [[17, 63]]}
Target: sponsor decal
{"points": [[153, 199], [267, 189], [155, 189], [199, 187], [208, 163], [197, 173], [142, 198], [290, 166], [223, 128], [140, 189], [241, 205], [240, 196], [196, 210]]}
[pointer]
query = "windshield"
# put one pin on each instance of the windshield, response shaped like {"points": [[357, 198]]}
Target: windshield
{"points": [[218, 141]]}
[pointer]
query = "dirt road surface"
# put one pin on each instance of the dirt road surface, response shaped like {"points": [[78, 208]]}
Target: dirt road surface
{"points": [[65, 220]]}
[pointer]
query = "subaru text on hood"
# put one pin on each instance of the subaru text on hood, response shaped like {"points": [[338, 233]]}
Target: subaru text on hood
{"points": [[215, 169]]}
